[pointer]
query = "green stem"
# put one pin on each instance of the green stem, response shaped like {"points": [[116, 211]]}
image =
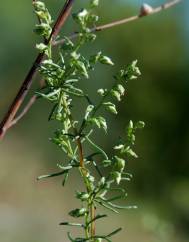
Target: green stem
{"points": [[66, 127], [84, 172], [96, 108]]}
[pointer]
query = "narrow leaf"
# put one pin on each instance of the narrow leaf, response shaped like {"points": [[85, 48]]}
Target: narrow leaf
{"points": [[51, 175]]}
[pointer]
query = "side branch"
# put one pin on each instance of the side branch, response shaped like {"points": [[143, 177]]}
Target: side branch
{"points": [[24, 111], [144, 11], [5, 124]]}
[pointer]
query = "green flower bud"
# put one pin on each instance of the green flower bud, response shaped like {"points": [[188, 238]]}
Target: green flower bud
{"points": [[106, 60], [101, 91], [139, 125], [110, 107], [76, 213], [83, 196], [39, 6], [119, 164], [116, 176], [94, 3], [41, 47]]}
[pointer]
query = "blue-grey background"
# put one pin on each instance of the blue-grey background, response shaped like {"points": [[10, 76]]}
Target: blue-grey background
{"points": [[30, 211]]}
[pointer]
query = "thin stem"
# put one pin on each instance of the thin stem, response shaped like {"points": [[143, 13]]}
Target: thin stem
{"points": [[90, 204], [5, 124], [83, 171], [63, 101], [124, 20], [30, 103], [80, 149], [92, 213], [24, 111], [13, 109], [96, 108]]}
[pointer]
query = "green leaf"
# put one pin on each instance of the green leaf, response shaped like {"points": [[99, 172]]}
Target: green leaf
{"points": [[43, 29], [98, 240], [139, 125], [90, 37], [129, 152], [119, 164], [95, 58], [94, 3], [75, 55], [65, 179], [41, 47], [114, 232], [101, 91], [92, 19], [83, 196], [68, 44], [65, 168], [51, 175], [116, 197], [39, 6], [130, 126], [70, 238], [82, 68], [51, 95], [97, 148], [105, 60], [41, 14], [131, 72], [121, 89], [100, 122], [102, 182], [76, 213], [116, 176], [96, 218], [72, 224], [119, 147], [122, 207], [81, 17], [71, 81], [103, 204], [116, 94], [110, 107], [106, 163], [88, 111], [70, 89]]}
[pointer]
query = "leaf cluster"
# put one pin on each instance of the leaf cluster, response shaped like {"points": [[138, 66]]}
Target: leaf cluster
{"points": [[62, 74]]}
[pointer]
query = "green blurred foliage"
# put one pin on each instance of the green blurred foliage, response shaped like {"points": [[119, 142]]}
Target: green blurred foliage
{"points": [[160, 98]]}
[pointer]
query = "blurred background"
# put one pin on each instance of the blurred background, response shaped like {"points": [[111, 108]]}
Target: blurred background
{"points": [[31, 211]]}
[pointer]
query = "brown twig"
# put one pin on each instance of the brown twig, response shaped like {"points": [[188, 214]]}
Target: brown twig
{"points": [[24, 111], [124, 21], [80, 148], [5, 124], [27, 107], [96, 29]]}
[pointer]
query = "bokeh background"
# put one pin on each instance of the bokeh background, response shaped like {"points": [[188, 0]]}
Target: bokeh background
{"points": [[29, 210]]}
